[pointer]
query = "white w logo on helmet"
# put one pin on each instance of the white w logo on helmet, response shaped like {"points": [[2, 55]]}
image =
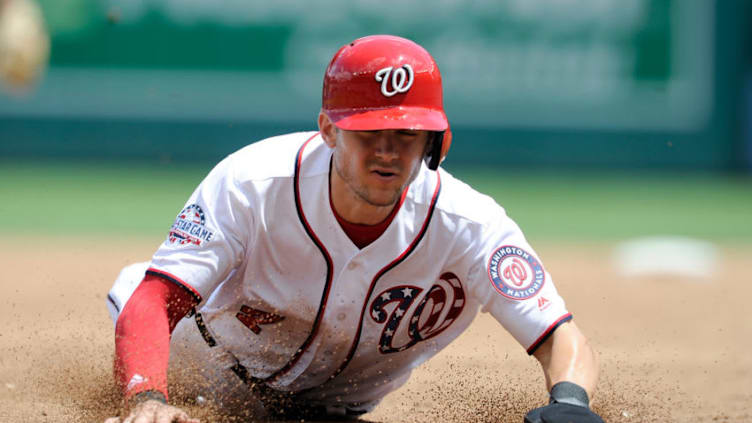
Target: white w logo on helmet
{"points": [[401, 79]]}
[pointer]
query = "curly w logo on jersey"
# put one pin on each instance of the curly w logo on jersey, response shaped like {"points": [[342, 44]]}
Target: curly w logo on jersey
{"points": [[515, 273], [189, 227], [435, 312]]}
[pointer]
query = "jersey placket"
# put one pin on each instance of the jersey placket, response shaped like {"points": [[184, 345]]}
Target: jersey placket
{"points": [[353, 282]]}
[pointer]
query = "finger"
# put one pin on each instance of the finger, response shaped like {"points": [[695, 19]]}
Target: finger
{"points": [[183, 417], [189, 419], [143, 418], [171, 415], [166, 415]]}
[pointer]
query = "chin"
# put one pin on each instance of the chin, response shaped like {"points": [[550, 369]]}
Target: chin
{"points": [[387, 199]]}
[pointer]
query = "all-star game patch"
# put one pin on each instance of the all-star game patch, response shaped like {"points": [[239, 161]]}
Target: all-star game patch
{"points": [[515, 273], [189, 227]]}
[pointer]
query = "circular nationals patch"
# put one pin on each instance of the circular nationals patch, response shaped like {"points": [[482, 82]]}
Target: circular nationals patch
{"points": [[515, 273]]}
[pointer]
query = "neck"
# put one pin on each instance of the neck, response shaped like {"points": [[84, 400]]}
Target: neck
{"points": [[352, 207]]}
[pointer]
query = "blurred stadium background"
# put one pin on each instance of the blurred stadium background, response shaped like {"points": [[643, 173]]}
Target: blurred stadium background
{"points": [[595, 123], [587, 119]]}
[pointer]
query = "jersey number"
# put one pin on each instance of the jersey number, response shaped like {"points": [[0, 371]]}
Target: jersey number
{"points": [[252, 318]]}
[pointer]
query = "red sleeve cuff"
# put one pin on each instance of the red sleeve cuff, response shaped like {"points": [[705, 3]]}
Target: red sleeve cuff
{"points": [[541, 339]]}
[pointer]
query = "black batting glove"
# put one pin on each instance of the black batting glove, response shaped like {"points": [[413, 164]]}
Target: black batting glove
{"points": [[568, 403]]}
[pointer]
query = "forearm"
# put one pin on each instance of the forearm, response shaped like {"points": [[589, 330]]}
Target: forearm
{"points": [[142, 336], [568, 356]]}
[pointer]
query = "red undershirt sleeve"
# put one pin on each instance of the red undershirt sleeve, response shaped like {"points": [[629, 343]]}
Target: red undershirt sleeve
{"points": [[142, 335]]}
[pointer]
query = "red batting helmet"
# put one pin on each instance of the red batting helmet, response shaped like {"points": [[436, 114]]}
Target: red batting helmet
{"points": [[387, 82]]}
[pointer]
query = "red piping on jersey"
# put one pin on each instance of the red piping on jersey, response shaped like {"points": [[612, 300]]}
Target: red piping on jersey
{"points": [[329, 265], [541, 339], [176, 280], [385, 269]]}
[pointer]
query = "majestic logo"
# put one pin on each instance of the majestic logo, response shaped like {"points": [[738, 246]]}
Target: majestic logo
{"points": [[515, 273], [435, 312], [543, 303], [401, 79], [136, 380], [189, 227]]}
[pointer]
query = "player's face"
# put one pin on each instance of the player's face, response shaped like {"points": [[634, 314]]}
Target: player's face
{"points": [[377, 165]]}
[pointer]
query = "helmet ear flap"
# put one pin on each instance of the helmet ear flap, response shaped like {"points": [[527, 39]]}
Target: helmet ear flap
{"points": [[440, 142], [446, 142]]}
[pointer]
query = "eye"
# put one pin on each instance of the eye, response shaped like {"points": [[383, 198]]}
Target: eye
{"points": [[408, 133], [366, 135]]}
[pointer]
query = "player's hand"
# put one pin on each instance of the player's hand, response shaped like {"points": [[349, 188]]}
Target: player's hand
{"points": [[562, 413], [153, 411], [569, 403]]}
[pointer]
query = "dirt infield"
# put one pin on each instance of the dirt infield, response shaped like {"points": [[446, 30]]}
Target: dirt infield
{"points": [[671, 350]]}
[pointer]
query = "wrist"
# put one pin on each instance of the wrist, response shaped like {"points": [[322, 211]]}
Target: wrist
{"points": [[147, 395], [569, 393]]}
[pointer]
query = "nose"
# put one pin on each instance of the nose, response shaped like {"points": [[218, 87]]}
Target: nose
{"points": [[386, 146]]}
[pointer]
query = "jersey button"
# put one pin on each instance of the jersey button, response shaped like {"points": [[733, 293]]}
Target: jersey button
{"points": [[341, 316], [352, 265]]}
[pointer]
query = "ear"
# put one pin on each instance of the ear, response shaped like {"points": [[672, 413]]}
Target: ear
{"points": [[327, 129]]}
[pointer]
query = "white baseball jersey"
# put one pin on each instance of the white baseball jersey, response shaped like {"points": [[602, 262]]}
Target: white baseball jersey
{"points": [[284, 291]]}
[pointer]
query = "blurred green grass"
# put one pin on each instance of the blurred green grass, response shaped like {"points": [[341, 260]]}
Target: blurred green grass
{"points": [[622, 204], [89, 198], [142, 200]]}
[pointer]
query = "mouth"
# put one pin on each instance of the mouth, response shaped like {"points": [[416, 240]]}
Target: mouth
{"points": [[384, 178], [385, 173]]}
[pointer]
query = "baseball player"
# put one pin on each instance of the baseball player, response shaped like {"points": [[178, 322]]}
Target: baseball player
{"points": [[309, 273]]}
